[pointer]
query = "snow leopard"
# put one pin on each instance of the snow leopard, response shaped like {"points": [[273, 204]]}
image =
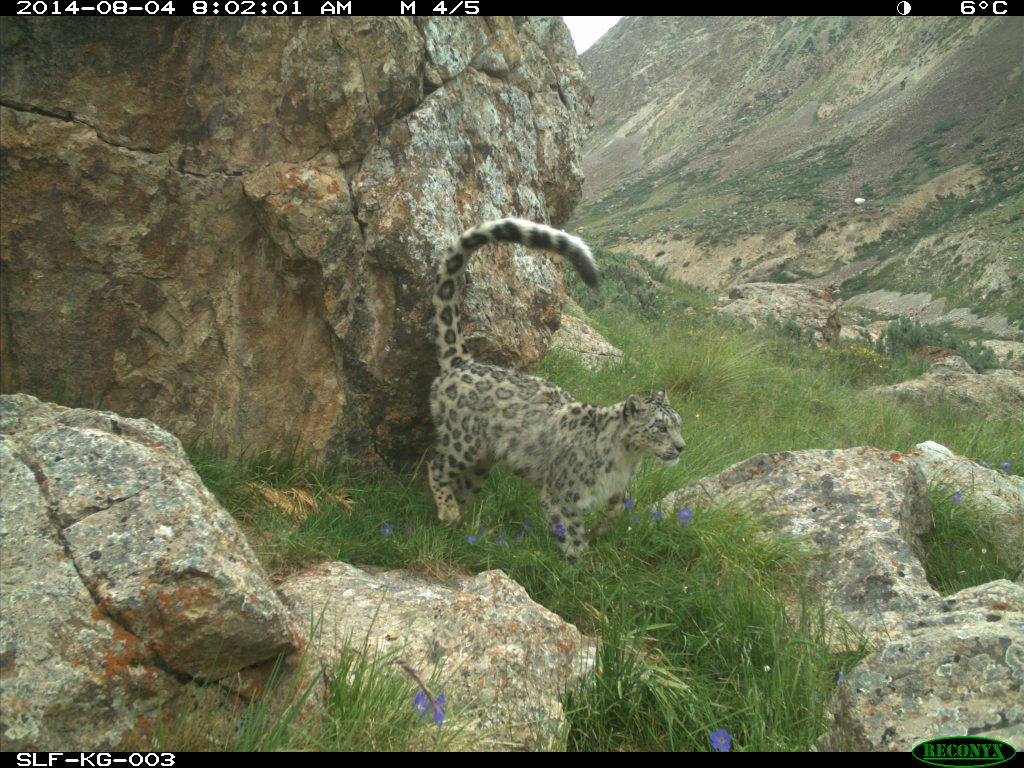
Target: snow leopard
{"points": [[579, 455]]}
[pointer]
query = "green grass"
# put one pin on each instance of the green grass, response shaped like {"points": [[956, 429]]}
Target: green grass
{"points": [[369, 707], [700, 627], [965, 547]]}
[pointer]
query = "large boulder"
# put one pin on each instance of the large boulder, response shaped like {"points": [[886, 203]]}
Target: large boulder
{"points": [[231, 227], [502, 661], [123, 580]]}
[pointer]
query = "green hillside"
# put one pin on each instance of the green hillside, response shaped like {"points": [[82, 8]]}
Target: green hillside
{"points": [[732, 150]]}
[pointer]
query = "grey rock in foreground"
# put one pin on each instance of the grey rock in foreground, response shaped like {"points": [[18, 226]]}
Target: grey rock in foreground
{"points": [[865, 508], [122, 578], [942, 665], [956, 671], [502, 661]]}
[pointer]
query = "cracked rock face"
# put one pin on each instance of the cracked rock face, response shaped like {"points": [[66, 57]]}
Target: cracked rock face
{"points": [[231, 228], [122, 579]]}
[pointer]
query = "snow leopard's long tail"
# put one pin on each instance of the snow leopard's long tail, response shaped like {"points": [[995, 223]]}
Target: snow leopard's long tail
{"points": [[451, 346]]}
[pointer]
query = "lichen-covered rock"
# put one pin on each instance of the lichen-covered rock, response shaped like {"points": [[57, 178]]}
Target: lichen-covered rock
{"points": [[866, 509], [956, 671], [501, 660], [951, 382], [812, 309], [230, 227], [578, 338], [122, 577]]}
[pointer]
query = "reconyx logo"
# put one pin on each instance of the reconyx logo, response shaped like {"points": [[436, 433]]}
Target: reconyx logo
{"points": [[957, 751]]}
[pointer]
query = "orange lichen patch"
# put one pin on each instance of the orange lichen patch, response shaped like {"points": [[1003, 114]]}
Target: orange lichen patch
{"points": [[896, 457], [117, 663]]}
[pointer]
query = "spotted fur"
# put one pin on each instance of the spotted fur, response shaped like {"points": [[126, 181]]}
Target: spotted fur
{"points": [[579, 455]]}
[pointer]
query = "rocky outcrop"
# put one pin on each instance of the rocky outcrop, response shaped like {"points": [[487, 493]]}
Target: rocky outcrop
{"points": [[502, 661], [867, 509], [941, 665], [576, 337], [123, 580], [951, 382], [953, 671], [231, 227], [811, 311]]}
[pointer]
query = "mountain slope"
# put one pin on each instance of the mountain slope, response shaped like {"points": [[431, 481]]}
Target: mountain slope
{"points": [[734, 148]]}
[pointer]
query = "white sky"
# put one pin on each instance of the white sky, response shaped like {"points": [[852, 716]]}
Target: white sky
{"points": [[587, 29]]}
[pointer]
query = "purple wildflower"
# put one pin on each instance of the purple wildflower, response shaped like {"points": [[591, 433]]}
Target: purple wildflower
{"points": [[1005, 466], [721, 740], [958, 497], [423, 703], [635, 518], [387, 530], [629, 502], [683, 515], [409, 528], [471, 539], [439, 710], [657, 514], [559, 530], [500, 540]]}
